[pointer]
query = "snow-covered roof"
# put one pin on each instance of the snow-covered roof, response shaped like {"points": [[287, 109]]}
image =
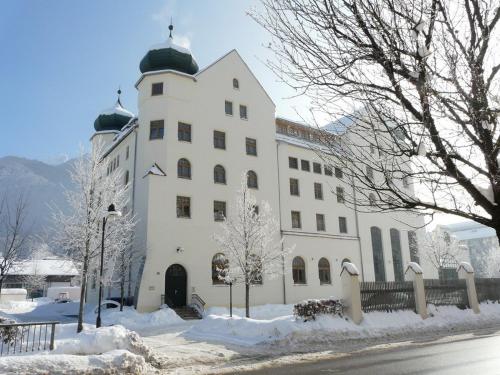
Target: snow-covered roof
{"points": [[169, 43], [117, 109], [350, 268], [415, 267], [466, 266], [339, 126], [120, 136], [468, 230], [155, 170], [46, 267]]}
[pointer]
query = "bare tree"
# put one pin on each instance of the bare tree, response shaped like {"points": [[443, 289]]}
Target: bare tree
{"points": [[13, 233], [36, 276], [250, 243], [421, 77], [79, 232], [125, 259]]}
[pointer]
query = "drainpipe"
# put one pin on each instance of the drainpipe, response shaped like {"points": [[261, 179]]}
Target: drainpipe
{"points": [[357, 229], [281, 229]]}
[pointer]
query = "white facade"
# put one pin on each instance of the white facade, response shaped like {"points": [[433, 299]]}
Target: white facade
{"points": [[166, 239]]}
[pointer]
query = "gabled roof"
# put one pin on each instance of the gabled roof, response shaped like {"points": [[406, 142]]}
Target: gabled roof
{"points": [[44, 267]]}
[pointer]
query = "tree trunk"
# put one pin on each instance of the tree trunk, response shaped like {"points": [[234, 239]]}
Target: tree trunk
{"points": [[122, 292], [129, 286], [82, 294], [1, 283], [247, 299]]}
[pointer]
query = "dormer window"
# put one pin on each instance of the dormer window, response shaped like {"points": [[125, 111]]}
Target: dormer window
{"points": [[157, 89], [236, 84]]}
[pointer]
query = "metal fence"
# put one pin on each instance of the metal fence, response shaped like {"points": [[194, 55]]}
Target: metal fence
{"points": [[26, 337], [488, 289], [387, 295], [446, 292]]}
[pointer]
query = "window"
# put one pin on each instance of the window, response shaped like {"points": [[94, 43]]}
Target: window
{"points": [[255, 209], [220, 265], [252, 182], [156, 129], [320, 223], [127, 152], [328, 171], [183, 207], [294, 187], [372, 149], [243, 112], [126, 177], [236, 84], [342, 224], [304, 164], [251, 145], [296, 220], [184, 132], [378, 253], [413, 244], [371, 199], [340, 194], [256, 274], [183, 168], [219, 174], [219, 140], [406, 182], [318, 190], [397, 257], [339, 173], [316, 167], [369, 172], [228, 106], [117, 161], [324, 271], [219, 210], [293, 163], [157, 88], [298, 270]]}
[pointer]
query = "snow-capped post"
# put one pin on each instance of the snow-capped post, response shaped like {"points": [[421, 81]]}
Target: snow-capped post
{"points": [[414, 273], [351, 295], [465, 271]]}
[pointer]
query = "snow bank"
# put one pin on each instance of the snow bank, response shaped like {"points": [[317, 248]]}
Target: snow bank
{"points": [[269, 311], [243, 331]]}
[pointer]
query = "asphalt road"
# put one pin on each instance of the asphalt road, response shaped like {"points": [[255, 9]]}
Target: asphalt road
{"points": [[477, 353]]}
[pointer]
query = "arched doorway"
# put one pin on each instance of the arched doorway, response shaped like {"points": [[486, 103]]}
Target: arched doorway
{"points": [[176, 286]]}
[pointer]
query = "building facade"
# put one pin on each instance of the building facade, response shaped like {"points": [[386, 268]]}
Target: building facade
{"points": [[183, 156]]}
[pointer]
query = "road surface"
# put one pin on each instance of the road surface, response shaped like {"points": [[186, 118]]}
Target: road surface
{"points": [[476, 353]]}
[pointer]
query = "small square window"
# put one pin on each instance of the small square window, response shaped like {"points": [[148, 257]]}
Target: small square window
{"points": [[127, 152], [293, 162], [219, 140], [243, 112], [328, 171], [219, 210], [184, 132], [228, 108], [296, 220], [304, 164], [251, 145], [340, 194], [317, 168], [339, 173], [342, 224], [236, 84], [369, 172], [183, 207], [157, 89], [320, 223], [294, 187], [156, 129], [318, 190]]}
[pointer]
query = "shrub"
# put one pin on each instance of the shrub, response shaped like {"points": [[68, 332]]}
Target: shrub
{"points": [[309, 309]]}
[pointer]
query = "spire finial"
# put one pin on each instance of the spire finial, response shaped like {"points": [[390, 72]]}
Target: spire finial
{"points": [[119, 92], [170, 27]]}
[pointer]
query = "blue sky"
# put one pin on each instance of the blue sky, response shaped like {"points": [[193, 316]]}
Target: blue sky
{"points": [[62, 62]]}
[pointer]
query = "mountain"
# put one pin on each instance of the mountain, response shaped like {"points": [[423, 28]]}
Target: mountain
{"points": [[42, 185]]}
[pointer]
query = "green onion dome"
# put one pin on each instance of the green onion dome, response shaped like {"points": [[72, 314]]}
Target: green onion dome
{"points": [[169, 55], [113, 118]]}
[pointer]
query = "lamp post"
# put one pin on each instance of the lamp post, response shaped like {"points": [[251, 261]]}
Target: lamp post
{"points": [[112, 212]]}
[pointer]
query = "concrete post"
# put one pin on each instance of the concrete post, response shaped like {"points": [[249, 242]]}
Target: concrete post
{"points": [[414, 273], [351, 295], [465, 271]]}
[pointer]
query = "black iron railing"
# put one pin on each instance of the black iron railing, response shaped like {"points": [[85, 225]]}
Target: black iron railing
{"points": [[488, 289], [446, 292], [26, 337], [387, 296]]}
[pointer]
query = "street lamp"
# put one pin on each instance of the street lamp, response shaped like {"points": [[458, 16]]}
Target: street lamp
{"points": [[112, 212]]}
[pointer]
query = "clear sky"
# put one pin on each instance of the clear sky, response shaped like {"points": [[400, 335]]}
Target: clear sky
{"points": [[62, 62]]}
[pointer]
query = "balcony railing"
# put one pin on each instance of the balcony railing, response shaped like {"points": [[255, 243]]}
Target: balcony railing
{"points": [[26, 337]]}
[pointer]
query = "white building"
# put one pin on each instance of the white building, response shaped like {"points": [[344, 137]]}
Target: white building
{"points": [[183, 156]]}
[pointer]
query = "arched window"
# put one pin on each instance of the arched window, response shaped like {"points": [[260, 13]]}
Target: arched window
{"points": [[183, 168], [378, 254], [371, 199], [324, 271], [219, 174], [298, 270], [252, 182], [236, 84], [397, 258], [219, 266]]}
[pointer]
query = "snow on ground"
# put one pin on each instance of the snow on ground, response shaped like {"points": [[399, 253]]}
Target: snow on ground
{"points": [[269, 311]]}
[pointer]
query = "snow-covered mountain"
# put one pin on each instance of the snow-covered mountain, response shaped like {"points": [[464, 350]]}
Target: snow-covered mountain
{"points": [[42, 184]]}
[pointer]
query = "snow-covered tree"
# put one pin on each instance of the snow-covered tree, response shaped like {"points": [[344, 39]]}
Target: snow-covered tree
{"points": [[14, 234], [250, 242], [126, 257], [419, 78], [36, 278], [79, 232]]}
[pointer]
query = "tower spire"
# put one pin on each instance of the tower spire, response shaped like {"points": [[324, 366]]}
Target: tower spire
{"points": [[170, 27], [119, 92]]}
